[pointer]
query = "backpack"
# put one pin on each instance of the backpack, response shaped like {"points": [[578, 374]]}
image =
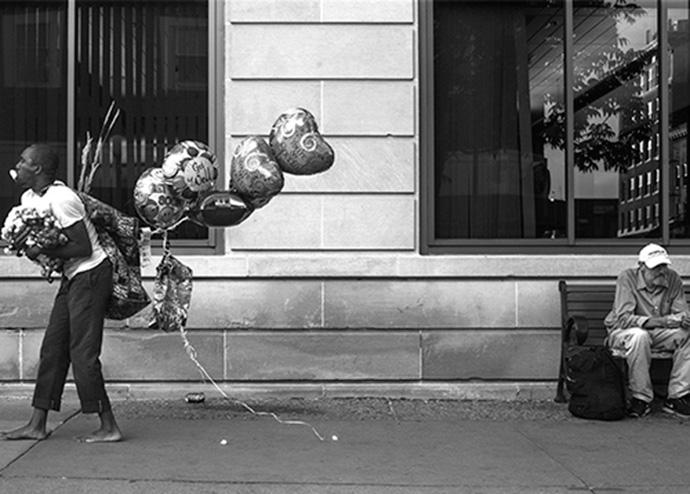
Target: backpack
{"points": [[596, 383], [118, 234]]}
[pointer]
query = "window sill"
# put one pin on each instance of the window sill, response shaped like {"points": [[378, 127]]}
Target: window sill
{"points": [[381, 265]]}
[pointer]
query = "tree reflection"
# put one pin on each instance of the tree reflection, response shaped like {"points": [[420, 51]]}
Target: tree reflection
{"points": [[610, 117]]}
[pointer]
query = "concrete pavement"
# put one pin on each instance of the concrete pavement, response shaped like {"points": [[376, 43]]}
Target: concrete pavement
{"points": [[384, 446]]}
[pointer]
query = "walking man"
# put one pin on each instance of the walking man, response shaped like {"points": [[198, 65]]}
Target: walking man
{"points": [[75, 328]]}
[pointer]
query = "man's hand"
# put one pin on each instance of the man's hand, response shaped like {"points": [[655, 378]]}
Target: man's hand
{"points": [[673, 321], [670, 321], [685, 322]]}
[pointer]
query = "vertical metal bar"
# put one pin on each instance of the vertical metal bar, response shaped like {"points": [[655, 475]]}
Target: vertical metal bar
{"points": [[213, 113], [664, 165], [71, 89], [216, 84], [568, 79], [154, 141], [426, 126]]}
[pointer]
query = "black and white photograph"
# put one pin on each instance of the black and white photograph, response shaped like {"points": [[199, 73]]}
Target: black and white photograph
{"points": [[344, 246]]}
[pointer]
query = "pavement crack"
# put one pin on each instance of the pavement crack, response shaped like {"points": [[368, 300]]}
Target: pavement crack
{"points": [[35, 443], [541, 448]]}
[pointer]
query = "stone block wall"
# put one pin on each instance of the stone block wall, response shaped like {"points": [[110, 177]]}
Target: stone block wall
{"points": [[254, 321], [353, 65]]}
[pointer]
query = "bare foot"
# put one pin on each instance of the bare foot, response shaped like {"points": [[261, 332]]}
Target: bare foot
{"points": [[26, 433], [102, 436]]}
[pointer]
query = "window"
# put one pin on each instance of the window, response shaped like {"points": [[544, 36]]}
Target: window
{"points": [[32, 51], [152, 59], [535, 115], [33, 85]]}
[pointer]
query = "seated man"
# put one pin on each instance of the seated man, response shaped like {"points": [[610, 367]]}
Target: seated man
{"points": [[650, 312]]}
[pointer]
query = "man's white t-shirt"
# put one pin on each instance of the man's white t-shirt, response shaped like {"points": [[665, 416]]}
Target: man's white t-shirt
{"points": [[66, 206]]}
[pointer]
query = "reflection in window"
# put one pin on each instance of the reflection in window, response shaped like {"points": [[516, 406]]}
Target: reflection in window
{"points": [[499, 119], [615, 88], [679, 95]]}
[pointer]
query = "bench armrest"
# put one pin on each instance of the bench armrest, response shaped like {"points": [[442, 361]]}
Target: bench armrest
{"points": [[574, 331]]}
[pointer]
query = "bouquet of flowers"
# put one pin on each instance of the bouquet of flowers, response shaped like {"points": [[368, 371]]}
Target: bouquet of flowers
{"points": [[25, 227]]}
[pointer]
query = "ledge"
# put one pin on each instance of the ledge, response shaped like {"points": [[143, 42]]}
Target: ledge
{"points": [[382, 265], [502, 391]]}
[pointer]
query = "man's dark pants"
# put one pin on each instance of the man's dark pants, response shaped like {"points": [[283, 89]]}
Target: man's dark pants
{"points": [[75, 334]]}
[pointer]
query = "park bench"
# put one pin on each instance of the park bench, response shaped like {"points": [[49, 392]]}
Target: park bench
{"points": [[583, 309]]}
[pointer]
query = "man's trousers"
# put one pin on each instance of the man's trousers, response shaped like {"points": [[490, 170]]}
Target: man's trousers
{"points": [[74, 335], [636, 344]]}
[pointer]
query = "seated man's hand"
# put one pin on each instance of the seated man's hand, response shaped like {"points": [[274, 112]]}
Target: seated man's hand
{"points": [[685, 322], [655, 322], [658, 322], [673, 320]]}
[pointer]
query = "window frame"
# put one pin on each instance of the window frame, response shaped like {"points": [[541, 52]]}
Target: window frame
{"points": [[569, 245]]}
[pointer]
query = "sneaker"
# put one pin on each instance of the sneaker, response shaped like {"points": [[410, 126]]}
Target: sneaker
{"points": [[678, 406], [639, 408]]}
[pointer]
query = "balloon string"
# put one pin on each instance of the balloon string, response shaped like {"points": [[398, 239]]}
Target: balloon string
{"points": [[191, 352], [166, 243]]}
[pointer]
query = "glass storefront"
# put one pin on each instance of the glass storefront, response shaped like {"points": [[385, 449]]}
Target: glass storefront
{"points": [[546, 125]]}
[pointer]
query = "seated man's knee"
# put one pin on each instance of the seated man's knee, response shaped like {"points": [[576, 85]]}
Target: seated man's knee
{"points": [[639, 337]]}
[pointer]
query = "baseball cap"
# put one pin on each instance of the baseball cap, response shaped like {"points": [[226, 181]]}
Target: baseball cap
{"points": [[652, 255]]}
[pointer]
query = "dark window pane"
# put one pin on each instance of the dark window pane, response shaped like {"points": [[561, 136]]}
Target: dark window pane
{"points": [[33, 85], [151, 58], [498, 137]]}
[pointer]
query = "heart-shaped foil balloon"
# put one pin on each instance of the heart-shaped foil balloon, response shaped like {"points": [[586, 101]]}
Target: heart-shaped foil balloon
{"points": [[297, 144], [156, 201], [254, 174], [220, 209], [190, 167]]}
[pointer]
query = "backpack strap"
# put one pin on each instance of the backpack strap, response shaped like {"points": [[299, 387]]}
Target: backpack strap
{"points": [[576, 330]]}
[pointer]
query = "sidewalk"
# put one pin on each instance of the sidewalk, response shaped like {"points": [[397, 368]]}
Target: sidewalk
{"points": [[383, 446]]}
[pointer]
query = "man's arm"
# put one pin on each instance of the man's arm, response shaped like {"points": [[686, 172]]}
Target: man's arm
{"points": [[78, 244], [623, 314], [679, 310], [661, 322]]}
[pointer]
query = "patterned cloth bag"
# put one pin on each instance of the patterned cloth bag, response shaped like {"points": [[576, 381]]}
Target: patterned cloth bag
{"points": [[172, 293], [119, 237]]}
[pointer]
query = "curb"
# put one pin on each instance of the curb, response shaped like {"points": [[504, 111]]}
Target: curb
{"points": [[504, 391]]}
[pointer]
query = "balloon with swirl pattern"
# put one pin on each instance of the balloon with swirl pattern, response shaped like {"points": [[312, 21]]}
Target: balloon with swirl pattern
{"points": [[254, 173], [298, 145]]}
